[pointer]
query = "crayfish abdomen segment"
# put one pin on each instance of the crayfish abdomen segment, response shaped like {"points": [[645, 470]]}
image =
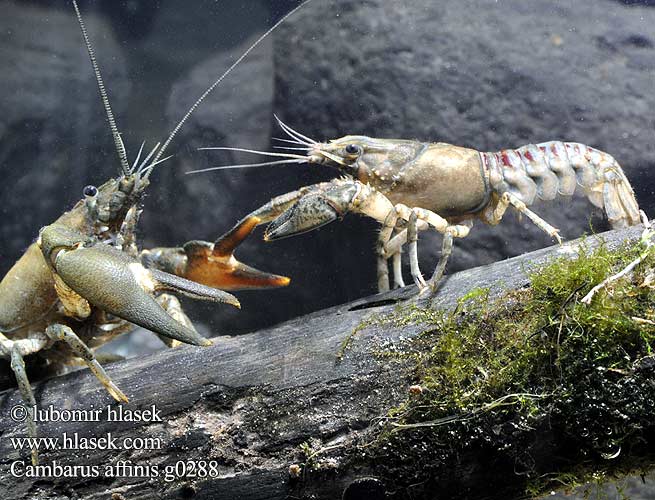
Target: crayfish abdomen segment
{"points": [[545, 170]]}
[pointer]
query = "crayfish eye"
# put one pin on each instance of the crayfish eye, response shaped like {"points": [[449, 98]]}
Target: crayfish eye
{"points": [[353, 149], [90, 191]]}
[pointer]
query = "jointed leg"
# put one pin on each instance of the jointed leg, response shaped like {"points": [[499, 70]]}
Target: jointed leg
{"points": [[65, 334], [494, 212], [419, 219], [171, 304], [15, 350], [507, 199], [446, 250], [18, 366], [383, 240], [127, 232], [393, 249], [35, 342], [396, 243], [398, 270], [388, 248], [412, 239]]}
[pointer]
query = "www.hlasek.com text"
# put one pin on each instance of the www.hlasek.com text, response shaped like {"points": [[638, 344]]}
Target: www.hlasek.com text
{"points": [[76, 442]]}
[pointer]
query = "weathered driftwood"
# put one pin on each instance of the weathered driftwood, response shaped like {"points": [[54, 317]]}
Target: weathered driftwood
{"points": [[250, 402]]}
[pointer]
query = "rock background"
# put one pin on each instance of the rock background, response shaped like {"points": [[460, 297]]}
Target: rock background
{"points": [[487, 75], [51, 134]]}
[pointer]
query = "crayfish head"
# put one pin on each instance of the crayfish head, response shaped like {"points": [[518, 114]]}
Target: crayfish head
{"points": [[108, 204], [378, 161]]}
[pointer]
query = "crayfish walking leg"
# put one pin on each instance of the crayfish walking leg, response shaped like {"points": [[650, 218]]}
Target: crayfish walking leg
{"points": [[65, 334], [419, 219], [14, 350]]}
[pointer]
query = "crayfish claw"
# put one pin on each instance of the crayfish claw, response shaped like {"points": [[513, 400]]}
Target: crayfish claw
{"points": [[313, 210], [214, 264], [118, 284], [220, 269], [192, 289], [225, 244]]}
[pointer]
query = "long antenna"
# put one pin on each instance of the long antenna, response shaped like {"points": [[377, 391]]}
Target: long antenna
{"points": [[220, 79], [120, 147]]}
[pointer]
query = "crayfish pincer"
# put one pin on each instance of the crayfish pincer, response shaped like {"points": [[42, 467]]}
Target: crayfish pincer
{"points": [[410, 186], [85, 280], [88, 273]]}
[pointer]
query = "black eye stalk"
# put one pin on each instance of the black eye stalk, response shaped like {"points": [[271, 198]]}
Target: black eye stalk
{"points": [[90, 191], [353, 149]]}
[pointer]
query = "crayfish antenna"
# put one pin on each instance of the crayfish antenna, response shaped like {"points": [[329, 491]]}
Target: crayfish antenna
{"points": [[118, 142], [222, 77]]}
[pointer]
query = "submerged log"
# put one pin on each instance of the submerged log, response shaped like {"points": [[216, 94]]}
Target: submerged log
{"points": [[275, 412]]}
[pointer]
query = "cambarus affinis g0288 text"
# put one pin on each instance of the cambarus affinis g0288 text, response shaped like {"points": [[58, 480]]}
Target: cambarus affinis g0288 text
{"points": [[410, 186], [85, 281]]}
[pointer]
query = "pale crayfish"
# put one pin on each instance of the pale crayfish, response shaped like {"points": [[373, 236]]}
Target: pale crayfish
{"points": [[410, 186], [84, 281]]}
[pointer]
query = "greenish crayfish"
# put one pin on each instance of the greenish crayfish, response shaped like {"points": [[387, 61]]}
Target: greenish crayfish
{"points": [[85, 281]]}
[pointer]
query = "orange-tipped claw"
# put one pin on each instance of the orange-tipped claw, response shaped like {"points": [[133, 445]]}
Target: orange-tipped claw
{"points": [[224, 271], [225, 245], [214, 264]]}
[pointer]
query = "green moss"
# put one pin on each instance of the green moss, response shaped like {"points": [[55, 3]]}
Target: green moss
{"points": [[494, 375]]}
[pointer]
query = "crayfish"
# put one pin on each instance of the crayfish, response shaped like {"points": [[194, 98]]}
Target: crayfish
{"points": [[84, 281], [410, 186]]}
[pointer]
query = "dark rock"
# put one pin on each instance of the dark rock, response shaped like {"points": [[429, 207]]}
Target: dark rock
{"points": [[236, 114]]}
